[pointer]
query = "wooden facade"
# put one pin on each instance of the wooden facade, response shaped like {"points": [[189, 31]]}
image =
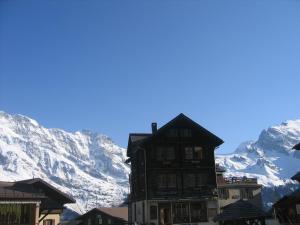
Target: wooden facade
{"points": [[173, 178]]}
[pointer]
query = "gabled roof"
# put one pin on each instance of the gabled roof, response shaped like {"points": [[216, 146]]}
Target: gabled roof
{"points": [[10, 191], [49, 188], [120, 213], [32, 189], [297, 146], [240, 210], [183, 118], [138, 138]]}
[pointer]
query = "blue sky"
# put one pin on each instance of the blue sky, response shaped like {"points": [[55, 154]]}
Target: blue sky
{"points": [[116, 66]]}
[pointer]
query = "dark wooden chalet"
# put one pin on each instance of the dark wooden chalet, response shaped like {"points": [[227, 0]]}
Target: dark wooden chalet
{"points": [[173, 177], [104, 216], [31, 202]]}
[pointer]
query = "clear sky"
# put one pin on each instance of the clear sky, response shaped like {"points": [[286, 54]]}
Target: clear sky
{"points": [[116, 66]]}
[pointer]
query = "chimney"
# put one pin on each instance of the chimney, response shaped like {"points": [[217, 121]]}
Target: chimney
{"points": [[154, 127]]}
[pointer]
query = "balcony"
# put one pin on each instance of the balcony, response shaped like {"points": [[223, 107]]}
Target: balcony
{"points": [[236, 180]]}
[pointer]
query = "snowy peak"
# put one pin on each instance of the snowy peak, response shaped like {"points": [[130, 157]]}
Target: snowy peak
{"points": [[280, 137], [271, 158], [87, 165]]}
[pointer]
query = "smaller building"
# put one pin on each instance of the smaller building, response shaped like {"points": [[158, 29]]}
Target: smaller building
{"points": [[31, 202], [241, 212], [104, 216]]}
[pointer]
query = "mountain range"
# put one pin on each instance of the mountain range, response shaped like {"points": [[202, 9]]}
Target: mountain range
{"points": [[91, 167], [88, 166]]}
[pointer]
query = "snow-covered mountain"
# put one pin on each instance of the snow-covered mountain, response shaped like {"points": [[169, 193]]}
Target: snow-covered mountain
{"points": [[91, 168], [88, 166], [271, 158]]}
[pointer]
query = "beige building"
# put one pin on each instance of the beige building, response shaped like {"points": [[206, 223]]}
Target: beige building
{"points": [[232, 189]]}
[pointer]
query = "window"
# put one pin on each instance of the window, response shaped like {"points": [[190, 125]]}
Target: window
{"points": [[180, 213], [134, 211], [193, 180], [167, 181], [153, 212], [89, 221], [48, 222], [198, 212], [99, 219], [223, 193], [172, 133], [195, 153], [186, 133], [109, 221], [298, 209], [165, 153], [198, 152], [188, 151], [179, 132], [246, 193], [190, 180]]}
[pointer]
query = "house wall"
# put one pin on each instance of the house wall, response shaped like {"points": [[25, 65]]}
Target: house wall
{"points": [[235, 195]]}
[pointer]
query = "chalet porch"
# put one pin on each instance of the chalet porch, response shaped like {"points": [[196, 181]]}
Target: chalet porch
{"points": [[164, 212]]}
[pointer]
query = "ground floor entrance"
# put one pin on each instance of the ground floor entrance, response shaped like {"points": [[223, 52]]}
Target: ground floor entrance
{"points": [[163, 212]]}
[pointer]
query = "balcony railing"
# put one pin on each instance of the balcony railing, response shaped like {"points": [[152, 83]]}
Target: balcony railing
{"points": [[236, 180]]}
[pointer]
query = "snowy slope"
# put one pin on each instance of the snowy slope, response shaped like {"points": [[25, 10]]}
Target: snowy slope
{"points": [[88, 166], [270, 158]]}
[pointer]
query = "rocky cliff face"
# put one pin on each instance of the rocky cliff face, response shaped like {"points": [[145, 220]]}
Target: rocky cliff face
{"points": [[86, 165]]}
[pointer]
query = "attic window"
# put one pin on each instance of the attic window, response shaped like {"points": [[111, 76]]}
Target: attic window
{"points": [[172, 133], [186, 133]]}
